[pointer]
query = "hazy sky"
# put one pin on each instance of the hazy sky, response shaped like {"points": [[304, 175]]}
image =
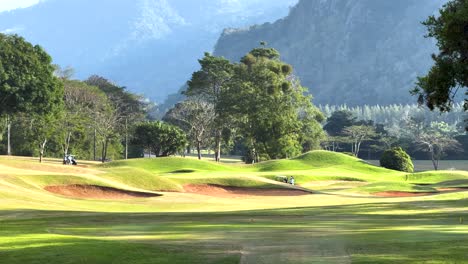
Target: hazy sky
{"points": [[7, 5]]}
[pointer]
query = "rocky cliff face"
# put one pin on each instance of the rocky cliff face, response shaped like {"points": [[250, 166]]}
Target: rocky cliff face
{"points": [[347, 51]]}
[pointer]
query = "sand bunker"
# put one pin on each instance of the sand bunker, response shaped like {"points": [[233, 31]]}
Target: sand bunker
{"points": [[403, 194], [223, 191], [96, 192]]}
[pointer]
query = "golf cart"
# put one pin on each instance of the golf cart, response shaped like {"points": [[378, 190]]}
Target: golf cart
{"points": [[69, 160]]}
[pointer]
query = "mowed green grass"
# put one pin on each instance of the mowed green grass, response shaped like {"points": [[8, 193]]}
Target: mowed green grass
{"points": [[341, 221]]}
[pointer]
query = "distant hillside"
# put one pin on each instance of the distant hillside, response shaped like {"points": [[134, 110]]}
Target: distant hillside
{"points": [[351, 52], [150, 46]]}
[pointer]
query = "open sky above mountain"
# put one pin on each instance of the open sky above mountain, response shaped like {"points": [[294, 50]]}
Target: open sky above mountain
{"points": [[150, 46]]}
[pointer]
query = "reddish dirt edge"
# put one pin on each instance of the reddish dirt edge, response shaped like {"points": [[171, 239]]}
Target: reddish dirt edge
{"points": [[223, 191], [411, 194], [402, 194], [96, 192]]}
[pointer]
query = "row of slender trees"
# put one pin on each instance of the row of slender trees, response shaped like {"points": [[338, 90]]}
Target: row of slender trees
{"points": [[42, 109]]}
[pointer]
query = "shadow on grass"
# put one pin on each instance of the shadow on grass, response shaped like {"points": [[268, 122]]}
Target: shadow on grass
{"points": [[362, 233]]}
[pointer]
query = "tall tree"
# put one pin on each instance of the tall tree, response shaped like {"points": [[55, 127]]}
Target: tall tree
{"points": [[27, 82], [270, 108], [107, 120], [196, 117], [82, 103], [209, 83], [131, 108], [450, 72]]}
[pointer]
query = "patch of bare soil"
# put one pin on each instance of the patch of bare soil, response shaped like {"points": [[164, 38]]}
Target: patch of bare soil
{"points": [[223, 191], [402, 194], [452, 189], [96, 192]]}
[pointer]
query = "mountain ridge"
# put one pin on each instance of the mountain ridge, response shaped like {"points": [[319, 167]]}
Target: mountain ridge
{"points": [[346, 51]]}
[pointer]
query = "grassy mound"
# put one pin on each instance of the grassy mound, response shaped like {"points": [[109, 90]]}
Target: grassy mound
{"points": [[453, 184], [378, 187], [140, 178], [170, 164], [433, 177], [41, 181], [227, 181], [320, 159]]}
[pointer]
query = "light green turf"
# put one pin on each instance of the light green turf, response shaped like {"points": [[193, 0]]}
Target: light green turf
{"points": [[170, 164], [341, 222], [393, 186]]}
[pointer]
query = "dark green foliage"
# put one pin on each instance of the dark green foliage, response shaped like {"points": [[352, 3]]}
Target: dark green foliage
{"points": [[338, 121], [162, 139], [27, 83], [450, 72], [129, 104], [268, 53], [269, 108], [209, 83], [397, 159]]}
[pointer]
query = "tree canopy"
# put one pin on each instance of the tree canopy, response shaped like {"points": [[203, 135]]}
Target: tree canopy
{"points": [[27, 82], [450, 71], [269, 107], [160, 138]]}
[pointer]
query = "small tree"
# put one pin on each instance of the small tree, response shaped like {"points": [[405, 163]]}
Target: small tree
{"points": [[359, 134], [160, 138], [196, 117], [436, 140], [338, 121], [397, 159]]}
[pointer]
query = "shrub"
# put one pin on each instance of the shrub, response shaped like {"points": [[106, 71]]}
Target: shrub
{"points": [[397, 159]]}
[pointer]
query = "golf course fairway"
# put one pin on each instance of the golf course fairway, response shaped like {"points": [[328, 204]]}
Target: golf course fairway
{"points": [[181, 210]]}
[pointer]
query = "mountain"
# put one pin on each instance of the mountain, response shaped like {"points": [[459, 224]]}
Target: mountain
{"points": [[150, 46], [351, 52]]}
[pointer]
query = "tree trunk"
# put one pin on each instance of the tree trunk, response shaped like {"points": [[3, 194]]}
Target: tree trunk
{"points": [[94, 146], [8, 136], [199, 149], [126, 139], [357, 149], [218, 146], [42, 150], [104, 150], [435, 162], [67, 144]]}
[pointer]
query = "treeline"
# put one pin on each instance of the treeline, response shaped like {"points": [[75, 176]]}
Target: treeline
{"points": [[94, 122], [420, 136], [255, 108], [43, 111], [392, 115]]}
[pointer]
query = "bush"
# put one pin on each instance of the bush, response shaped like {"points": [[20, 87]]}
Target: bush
{"points": [[397, 159]]}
